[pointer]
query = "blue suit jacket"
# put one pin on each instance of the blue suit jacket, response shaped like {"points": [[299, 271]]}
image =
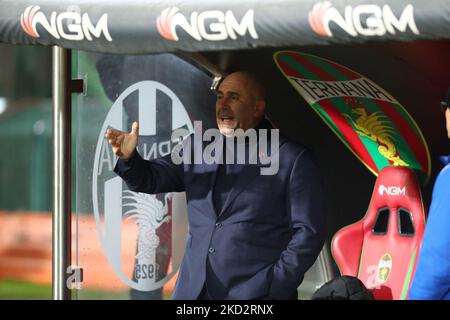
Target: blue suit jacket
{"points": [[432, 277], [268, 234]]}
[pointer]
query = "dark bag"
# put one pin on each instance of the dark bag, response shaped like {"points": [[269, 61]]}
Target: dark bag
{"points": [[343, 288]]}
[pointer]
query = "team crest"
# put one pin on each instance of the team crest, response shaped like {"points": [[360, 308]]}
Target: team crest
{"points": [[113, 202], [376, 128], [384, 268]]}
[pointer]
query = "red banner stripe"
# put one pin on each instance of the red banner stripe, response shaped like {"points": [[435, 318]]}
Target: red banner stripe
{"points": [[349, 133], [346, 73], [289, 71], [409, 135], [351, 75], [321, 74]]}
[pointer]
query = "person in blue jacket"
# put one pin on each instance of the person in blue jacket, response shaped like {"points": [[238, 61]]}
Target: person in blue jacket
{"points": [[251, 235], [432, 277]]}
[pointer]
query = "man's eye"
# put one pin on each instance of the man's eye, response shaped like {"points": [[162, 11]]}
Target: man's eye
{"points": [[235, 98]]}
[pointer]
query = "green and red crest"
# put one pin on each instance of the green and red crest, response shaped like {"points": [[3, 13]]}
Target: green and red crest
{"points": [[367, 119], [384, 268]]}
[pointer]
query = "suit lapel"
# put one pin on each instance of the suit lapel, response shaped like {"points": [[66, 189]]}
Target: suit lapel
{"points": [[214, 168], [249, 173], [210, 198]]}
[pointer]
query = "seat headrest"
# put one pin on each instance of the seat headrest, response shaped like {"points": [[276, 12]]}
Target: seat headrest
{"points": [[381, 249], [397, 187]]}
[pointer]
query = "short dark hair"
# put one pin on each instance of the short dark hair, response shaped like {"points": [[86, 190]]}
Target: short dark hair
{"points": [[260, 88], [257, 83]]}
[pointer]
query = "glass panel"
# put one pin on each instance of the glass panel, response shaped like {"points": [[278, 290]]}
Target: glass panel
{"points": [[130, 245], [25, 172], [124, 250]]}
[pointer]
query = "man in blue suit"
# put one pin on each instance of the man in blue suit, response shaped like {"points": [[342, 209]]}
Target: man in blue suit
{"points": [[432, 277], [251, 236]]}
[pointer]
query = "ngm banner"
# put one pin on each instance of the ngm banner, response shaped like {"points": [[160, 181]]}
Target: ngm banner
{"points": [[163, 93], [132, 27]]}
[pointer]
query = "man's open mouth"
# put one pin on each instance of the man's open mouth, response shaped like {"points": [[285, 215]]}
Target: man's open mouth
{"points": [[226, 117]]}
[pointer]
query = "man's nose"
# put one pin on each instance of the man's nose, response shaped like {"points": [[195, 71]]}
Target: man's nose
{"points": [[223, 103]]}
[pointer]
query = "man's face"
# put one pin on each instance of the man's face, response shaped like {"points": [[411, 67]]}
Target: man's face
{"points": [[447, 119], [236, 106]]}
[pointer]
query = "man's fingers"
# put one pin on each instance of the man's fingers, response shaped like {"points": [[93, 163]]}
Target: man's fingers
{"points": [[113, 133], [115, 140], [135, 128], [119, 139], [113, 143], [112, 138], [117, 151]]}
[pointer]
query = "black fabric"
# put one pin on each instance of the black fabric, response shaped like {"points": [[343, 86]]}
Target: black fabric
{"points": [[343, 288], [204, 294]]}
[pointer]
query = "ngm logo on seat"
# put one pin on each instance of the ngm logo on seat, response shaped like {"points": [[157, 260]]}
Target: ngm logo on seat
{"points": [[69, 25], [213, 25], [365, 19], [113, 203], [391, 190]]}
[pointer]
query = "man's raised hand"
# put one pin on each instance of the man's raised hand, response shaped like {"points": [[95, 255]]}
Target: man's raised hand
{"points": [[123, 144]]}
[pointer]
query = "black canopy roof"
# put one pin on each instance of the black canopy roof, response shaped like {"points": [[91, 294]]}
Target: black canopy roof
{"points": [[148, 26]]}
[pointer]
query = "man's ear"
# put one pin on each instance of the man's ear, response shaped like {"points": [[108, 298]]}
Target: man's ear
{"points": [[260, 108]]}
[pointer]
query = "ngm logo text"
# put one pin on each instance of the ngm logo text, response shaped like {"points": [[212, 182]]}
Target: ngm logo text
{"points": [[68, 25], [365, 20], [391, 190], [212, 25]]}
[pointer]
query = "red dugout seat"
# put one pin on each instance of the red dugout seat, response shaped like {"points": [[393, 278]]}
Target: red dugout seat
{"points": [[382, 248]]}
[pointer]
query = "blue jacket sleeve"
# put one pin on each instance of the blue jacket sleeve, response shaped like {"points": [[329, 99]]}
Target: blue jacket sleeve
{"points": [[432, 276], [151, 176], [307, 210]]}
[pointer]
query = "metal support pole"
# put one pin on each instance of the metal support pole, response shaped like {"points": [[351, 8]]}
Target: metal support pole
{"points": [[61, 222]]}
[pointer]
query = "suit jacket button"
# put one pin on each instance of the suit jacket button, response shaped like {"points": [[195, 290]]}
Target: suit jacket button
{"points": [[211, 250], [218, 224]]}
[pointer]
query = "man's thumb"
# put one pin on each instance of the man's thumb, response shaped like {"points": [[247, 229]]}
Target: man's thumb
{"points": [[135, 128]]}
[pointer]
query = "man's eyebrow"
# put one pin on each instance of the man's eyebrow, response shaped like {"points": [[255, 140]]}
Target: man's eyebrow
{"points": [[228, 92]]}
